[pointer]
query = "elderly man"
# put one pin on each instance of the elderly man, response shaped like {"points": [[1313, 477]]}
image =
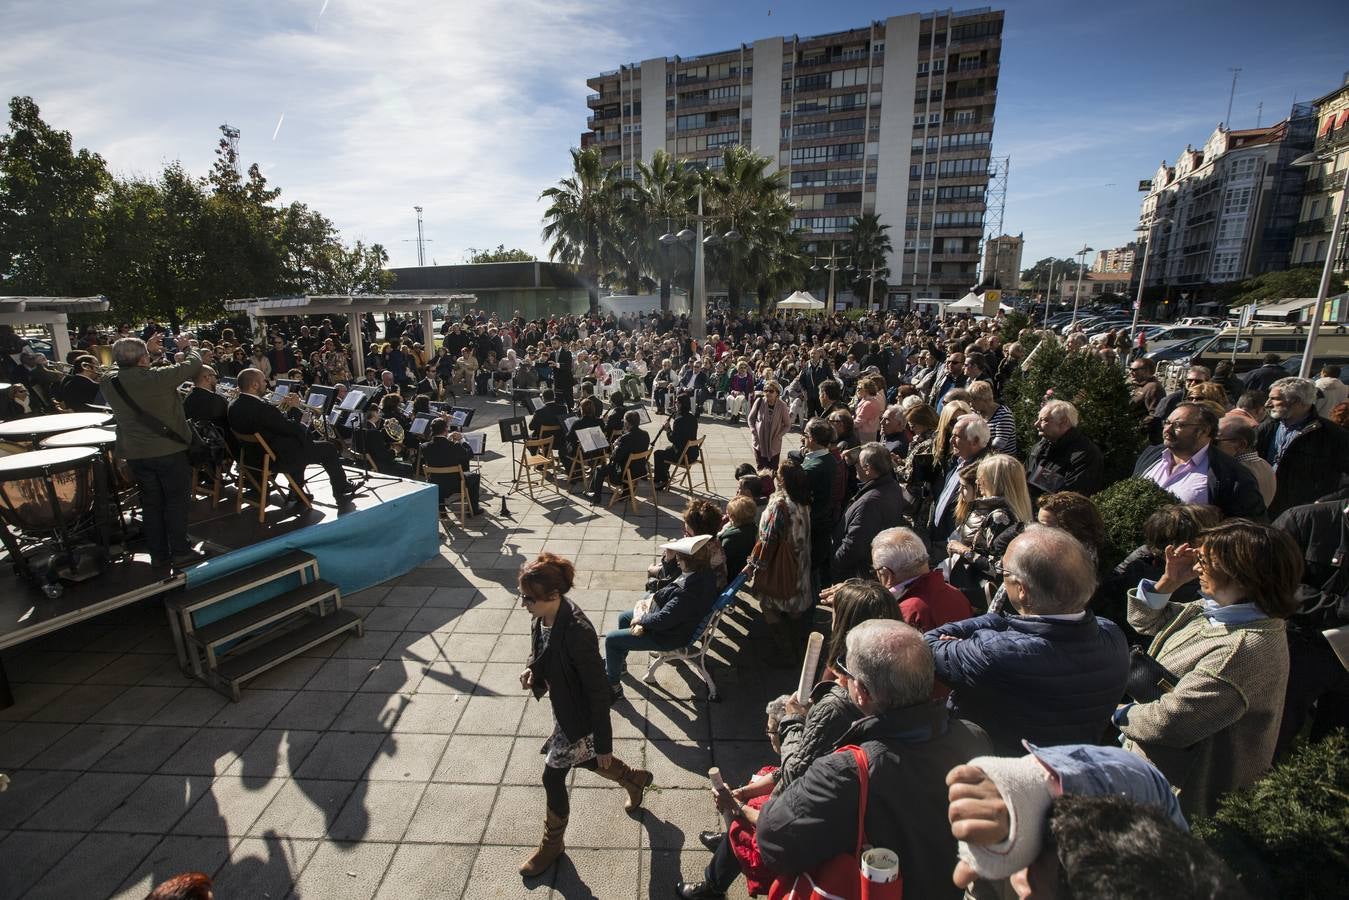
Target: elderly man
{"points": [[970, 437], [1051, 674], [899, 561], [909, 744], [1064, 459], [824, 470], [153, 437], [1310, 455], [1189, 466], [879, 502], [894, 434], [1237, 438], [1001, 425]]}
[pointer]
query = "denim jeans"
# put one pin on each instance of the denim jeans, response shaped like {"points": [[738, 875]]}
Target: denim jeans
{"points": [[619, 642], [165, 482]]}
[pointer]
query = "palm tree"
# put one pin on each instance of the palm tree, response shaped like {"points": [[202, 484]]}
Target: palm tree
{"points": [[582, 218], [662, 199], [744, 197], [869, 245]]}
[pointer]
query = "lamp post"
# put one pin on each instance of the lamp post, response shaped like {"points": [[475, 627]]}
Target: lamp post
{"points": [[698, 296], [1049, 291], [1319, 311], [1077, 294], [832, 267], [1143, 275]]}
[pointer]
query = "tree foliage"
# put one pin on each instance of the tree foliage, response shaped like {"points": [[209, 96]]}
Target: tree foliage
{"points": [[583, 218], [1301, 281], [500, 254], [869, 245], [1037, 276]]}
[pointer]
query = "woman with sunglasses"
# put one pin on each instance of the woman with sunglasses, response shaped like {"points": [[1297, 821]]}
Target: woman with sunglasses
{"points": [[564, 663]]}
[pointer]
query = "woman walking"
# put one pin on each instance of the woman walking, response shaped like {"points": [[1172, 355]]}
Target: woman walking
{"points": [[565, 664], [769, 421]]}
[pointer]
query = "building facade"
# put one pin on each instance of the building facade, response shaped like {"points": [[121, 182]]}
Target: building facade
{"points": [[1117, 259], [1232, 205], [893, 118], [1002, 262], [1095, 285], [1322, 194]]}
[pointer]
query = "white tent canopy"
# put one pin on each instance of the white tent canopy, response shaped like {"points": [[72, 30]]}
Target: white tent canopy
{"points": [[971, 302], [801, 300]]}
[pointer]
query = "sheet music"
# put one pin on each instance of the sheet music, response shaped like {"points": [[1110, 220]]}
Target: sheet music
{"points": [[315, 399], [534, 403], [644, 414], [307, 418], [477, 441], [407, 408], [570, 422], [419, 425], [334, 416], [351, 400], [457, 419], [592, 439], [281, 390]]}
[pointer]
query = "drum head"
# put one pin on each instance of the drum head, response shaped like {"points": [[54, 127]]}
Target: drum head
{"points": [[47, 490], [38, 462], [83, 437], [53, 424]]}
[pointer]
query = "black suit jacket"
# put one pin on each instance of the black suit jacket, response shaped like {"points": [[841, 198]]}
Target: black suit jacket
{"points": [[682, 430], [1231, 486], [202, 404], [253, 415], [1072, 463], [628, 443], [552, 414], [441, 452], [77, 392]]}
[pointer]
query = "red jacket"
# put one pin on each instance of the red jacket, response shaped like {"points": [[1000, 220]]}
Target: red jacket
{"points": [[928, 602]]}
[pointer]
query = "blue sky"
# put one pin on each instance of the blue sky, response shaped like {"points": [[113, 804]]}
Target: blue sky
{"points": [[468, 107]]}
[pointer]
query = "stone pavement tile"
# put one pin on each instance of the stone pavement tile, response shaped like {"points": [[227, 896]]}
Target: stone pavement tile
{"points": [[445, 677], [662, 868], [337, 872], [82, 746], [479, 620], [391, 676], [79, 667], [28, 855], [130, 668], [95, 867], [372, 645], [738, 718], [137, 705], [145, 750], [525, 765], [678, 764], [490, 715], [407, 595], [31, 662], [518, 622], [430, 713], [464, 648], [85, 803], [311, 710], [675, 720], [496, 874], [474, 759], [340, 756], [173, 855], [738, 760], [154, 806], [274, 753], [587, 874], [497, 598], [388, 618], [166, 673], [291, 675], [452, 814], [512, 648], [303, 808], [419, 646], [229, 806], [79, 703], [255, 710], [456, 597], [29, 791], [368, 597], [407, 757], [427, 870], [340, 675], [435, 618], [263, 867], [538, 718], [380, 813], [25, 740], [597, 815], [211, 751], [500, 679], [594, 562], [518, 816], [627, 718], [371, 712], [674, 816]]}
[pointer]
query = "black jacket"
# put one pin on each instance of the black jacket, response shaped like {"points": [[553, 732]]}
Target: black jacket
{"points": [[1231, 486], [682, 430], [441, 452], [1322, 531], [78, 392], [1072, 463], [1313, 464], [879, 504], [551, 414], [253, 415], [204, 405], [1260, 379], [910, 750], [677, 608], [628, 443], [571, 672]]}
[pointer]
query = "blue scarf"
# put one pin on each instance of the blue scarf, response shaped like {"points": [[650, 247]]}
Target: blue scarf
{"points": [[1236, 614]]}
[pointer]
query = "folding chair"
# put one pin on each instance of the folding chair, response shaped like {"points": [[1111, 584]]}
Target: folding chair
{"points": [[264, 481], [630, 481], [695, 654], [428, 471], [536, 457], [583, 468], [686, 465], [217, 477]]}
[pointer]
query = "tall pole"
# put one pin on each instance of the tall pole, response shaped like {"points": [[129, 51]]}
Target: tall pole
{"points": [[1230, 97], [833, 267], [1305, 370], [1049, 291], [698, 310], [1081, 268], [421, 240], [1142, 280]]}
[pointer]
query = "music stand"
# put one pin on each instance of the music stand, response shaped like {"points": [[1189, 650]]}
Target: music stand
{"points": [[512, 430], [461, 417]]}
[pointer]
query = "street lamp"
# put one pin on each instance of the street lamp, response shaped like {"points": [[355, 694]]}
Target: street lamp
{"points": [[1143, 275], [832, 267], [1049, 290], [1077, 294], [1305, 161], [698, 300]]}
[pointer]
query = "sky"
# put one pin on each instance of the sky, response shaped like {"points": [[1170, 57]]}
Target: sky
{"points": [[467, 108]]}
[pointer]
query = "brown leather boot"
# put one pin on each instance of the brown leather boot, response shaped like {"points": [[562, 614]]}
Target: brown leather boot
{"points": [[634, 781], [550, 848]]}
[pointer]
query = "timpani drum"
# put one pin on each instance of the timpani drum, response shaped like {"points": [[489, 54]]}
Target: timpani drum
{"points": [[35, 428], [103, 439], [47, 493]]}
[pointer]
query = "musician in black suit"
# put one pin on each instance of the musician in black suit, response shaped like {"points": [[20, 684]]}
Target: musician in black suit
{"points": [[372, 440], [451, 450], [632, 440], [289, 440], [80, 388], [682, 428], [203, 404], [554, 412], [590, 418], [563, 377]]}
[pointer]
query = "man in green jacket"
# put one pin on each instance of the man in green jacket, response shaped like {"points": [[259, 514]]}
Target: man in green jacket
{"points": [[155, 440]]}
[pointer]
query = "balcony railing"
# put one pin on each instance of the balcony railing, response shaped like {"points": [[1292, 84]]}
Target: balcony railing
{"points": [[1314, 226]]}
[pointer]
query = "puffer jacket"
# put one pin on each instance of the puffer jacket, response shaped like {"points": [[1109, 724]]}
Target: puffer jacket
{"points": [[806, 739]]}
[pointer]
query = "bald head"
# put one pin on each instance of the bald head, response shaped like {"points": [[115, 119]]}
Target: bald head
{"points": [[252, 381], [1051, 571], [205, 377]]}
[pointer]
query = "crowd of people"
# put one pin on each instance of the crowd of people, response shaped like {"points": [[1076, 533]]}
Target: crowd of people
{"points": [[961, 576]]}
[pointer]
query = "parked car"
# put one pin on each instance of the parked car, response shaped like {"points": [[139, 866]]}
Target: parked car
{"points": [[1174, 334], [1256, 342], [1293, 363]]}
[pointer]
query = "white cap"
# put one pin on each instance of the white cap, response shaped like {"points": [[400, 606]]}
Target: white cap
{"points": [[688, 546]]}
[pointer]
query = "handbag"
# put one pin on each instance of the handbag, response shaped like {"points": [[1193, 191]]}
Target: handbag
{"points": [[775, 575], [199, 450], [839, 878], [1148, 679]]}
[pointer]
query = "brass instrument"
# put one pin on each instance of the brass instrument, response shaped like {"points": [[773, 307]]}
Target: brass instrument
{"points": [[393, 429]]}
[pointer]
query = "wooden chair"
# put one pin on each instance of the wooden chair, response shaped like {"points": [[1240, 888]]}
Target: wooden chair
{"points": [[217, 474], [554, 432], [263, 480], [536, 458], [583, 468], [630, 481], [685, 465], [428, 471]]}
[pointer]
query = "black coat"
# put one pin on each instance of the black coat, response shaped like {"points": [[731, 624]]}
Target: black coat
{"points": [[253, 415], [1072, 463], [628, 443], [878, 505], [1231, 486], [571, 672], [78, 392], [441, 452], [1260, 379], [1314, 463], [553, 414], [682, 430], [910, 750]]}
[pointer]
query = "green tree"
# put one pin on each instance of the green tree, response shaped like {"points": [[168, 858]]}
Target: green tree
{"points": [[662, 201], [743, 197], [1037, 276], [582, 218], [1301, 281], [869, 245], [49, 199], [500, 254]]}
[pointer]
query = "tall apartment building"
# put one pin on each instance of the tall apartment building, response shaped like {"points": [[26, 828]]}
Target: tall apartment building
{"points": [[895, 118], [1322, 195], [1116, 259], [1233, 205], [1002, 261]]}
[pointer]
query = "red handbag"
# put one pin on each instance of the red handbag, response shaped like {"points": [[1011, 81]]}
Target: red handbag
{"points": [[839, 878]]}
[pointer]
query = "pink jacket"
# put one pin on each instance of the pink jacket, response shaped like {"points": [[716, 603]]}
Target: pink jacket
{"points": [[867, 418]]}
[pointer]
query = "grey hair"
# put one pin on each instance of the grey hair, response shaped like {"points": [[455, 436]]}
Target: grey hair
{"points": [[1062, 411], [1300, 390], [128, 351], [876, 458], [900, 550], [1054, 568], [892, 661], [909, 403], [976, 429]]}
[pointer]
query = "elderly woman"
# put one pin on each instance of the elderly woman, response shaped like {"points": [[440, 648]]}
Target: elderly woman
{"points": [[738, 389], [769, 421], [781, 558], [564, 663], [1206, 711], [870, 404]]}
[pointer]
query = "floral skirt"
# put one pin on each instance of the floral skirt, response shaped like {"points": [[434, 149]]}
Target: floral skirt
{"points": [[563, 753]]}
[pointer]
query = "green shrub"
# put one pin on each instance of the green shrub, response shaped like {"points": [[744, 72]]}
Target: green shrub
{"points": [[1012, 323], [1125, 506], [1091, 384], [1290, 829]]}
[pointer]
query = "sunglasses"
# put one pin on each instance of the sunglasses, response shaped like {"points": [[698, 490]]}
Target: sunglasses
{"points": [[840, 668]]}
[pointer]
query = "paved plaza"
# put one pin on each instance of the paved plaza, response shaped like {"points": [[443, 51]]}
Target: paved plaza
{"points": [[404, 763]]}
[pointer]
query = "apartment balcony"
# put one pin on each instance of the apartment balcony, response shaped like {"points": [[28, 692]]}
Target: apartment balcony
{"points": [[1191, 249], [594, 99], [957, 256], [969, 45], [1332, 140], [1314, 226], [983, 70], [1202, 219], [965, 95], [976, 228]]}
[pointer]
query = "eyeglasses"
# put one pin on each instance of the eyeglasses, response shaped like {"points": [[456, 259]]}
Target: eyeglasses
{"points": [[1137, 368], [841, 669], [527, 600], [1194, 381], [877, 570], [1177, 426]]}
